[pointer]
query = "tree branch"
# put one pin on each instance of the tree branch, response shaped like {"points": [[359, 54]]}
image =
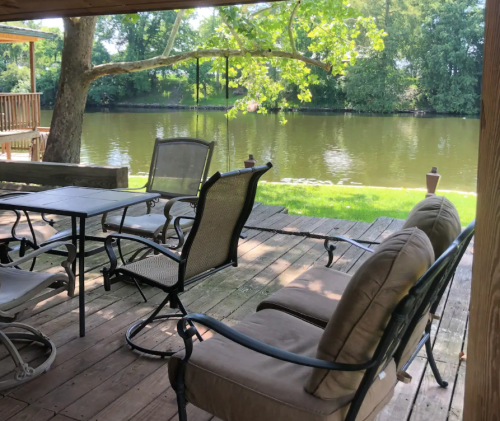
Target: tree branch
{"points": [[233, 33], [173, 32], [160, 61], [290, 29]]}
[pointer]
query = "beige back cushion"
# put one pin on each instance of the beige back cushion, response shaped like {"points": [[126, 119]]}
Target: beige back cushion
{"points": [[358, 323], [438, 218]]}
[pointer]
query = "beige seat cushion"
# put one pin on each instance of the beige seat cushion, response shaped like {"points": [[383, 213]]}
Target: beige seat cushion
{"points": [[312, 296], [237, 384], [43, 232], [18, 286], [358, 323], [149, 225], [439, 219]]}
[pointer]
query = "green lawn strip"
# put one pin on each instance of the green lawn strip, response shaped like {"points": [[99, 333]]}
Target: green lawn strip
{"points": [[352, 203]]}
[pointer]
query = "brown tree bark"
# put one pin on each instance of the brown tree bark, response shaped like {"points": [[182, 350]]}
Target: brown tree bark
{"points": [[64, 142]]}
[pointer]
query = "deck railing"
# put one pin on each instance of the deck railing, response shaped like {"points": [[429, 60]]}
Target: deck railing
{"points": [[19, 112]]}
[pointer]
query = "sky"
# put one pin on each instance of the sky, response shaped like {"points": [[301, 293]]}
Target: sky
{"points": [[202, 13]]}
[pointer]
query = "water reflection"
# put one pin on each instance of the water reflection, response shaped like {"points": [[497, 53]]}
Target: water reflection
{"points": [[391, 151]]}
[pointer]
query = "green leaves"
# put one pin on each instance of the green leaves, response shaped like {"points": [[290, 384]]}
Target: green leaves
{"points": [[330, 31]]}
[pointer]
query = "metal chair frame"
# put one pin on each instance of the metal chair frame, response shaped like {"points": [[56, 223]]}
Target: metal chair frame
{"points": [[172, 197], [24, 333], [423, 295], [173, 291]]}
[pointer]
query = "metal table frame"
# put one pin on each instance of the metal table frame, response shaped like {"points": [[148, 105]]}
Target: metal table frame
{"points": [[78, 238]]}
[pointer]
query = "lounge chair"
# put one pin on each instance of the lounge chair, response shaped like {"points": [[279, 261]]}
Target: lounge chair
{"points": [[179, 168], [26, 234], [276, 367], [225, 202], [314, 295], [20, 290]]}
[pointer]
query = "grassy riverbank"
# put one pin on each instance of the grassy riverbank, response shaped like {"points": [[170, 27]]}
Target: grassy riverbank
{"points": [[354, 203]]}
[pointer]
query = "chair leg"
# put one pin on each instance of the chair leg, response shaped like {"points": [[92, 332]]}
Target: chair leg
{"points": [[181, 396], [140, 290], [184, 312], [141, 324], [432, 363]]}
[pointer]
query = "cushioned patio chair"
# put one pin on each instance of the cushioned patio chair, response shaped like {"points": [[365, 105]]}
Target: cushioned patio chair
{"points": [[179, 168], [21, 290], [225, 202], [273, 366], [315, 294]]}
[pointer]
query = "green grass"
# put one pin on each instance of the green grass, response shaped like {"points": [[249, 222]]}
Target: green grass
{"points": [[353, 203]]}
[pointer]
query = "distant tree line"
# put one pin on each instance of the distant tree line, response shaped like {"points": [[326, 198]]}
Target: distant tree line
{"points": [[432, 61]]}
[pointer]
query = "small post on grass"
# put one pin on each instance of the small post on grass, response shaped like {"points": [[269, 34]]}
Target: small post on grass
{"points": [[250, 162], [432, 179]]}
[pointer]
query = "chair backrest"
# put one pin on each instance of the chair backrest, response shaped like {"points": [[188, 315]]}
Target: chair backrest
{"points": [[439, 219], [434, 283], [355, 329], [408, 312], [225, 202], [179, 166]]}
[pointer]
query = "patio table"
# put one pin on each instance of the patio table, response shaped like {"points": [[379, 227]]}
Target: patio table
{"points": [[78, 203]]}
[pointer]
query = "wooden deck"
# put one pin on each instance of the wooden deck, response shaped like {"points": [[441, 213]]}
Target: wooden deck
{"points": [[98, 378]]}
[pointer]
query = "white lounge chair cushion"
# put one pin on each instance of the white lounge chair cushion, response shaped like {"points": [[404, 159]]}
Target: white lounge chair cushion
{"points": [[145, 225], [18, 286], [43, 232]]}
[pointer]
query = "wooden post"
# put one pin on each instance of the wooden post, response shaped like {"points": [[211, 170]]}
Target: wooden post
{"points": [[432, 180], [482, 383], [32, 67], [250, 162]]}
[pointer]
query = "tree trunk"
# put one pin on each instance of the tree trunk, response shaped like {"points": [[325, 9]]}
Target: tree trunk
{"points": [[63, 144]]}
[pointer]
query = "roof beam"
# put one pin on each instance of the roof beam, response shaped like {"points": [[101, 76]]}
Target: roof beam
{"points": [[36, 9]]}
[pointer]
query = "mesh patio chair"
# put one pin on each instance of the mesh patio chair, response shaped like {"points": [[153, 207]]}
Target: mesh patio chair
{"points": [[21, 290], [225, 202], [179, 168], [273, 366]]}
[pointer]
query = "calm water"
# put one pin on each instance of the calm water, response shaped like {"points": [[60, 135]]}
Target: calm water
{"points": [[349, 149]]}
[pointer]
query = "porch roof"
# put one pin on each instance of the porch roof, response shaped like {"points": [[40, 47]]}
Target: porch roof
{"points": [[36, 9], [16, 34]]}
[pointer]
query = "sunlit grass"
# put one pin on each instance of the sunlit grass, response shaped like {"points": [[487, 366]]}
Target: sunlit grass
{"points": [[353, 203]]}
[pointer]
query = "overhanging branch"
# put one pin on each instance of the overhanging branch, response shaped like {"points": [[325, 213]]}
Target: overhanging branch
{"points": [[161, 61], [173, 32], [290, 27]]}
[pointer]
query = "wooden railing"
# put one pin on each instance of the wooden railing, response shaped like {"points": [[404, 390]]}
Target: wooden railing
{"points": [[19, 112]]}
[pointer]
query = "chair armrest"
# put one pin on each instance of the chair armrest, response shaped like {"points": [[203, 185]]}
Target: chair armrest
{"points": [[172, 202], [17, 193], [108, 243], [257, 346], [353, 242], [70, 247]]}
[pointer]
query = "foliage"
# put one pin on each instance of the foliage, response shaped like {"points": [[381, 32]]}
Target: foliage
{"points": [[432, 58], [452, 56]]}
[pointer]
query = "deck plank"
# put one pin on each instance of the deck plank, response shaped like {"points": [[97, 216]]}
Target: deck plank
{"points": [[98, 378]]}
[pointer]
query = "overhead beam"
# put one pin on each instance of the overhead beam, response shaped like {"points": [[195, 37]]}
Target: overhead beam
{"points": [[482, 386], [37, 9]]}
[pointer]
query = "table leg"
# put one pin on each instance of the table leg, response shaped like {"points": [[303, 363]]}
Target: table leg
{"points": [[81, 276], [73, 241]]}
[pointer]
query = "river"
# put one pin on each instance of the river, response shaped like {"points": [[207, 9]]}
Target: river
{"points": [[337, 148]]}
